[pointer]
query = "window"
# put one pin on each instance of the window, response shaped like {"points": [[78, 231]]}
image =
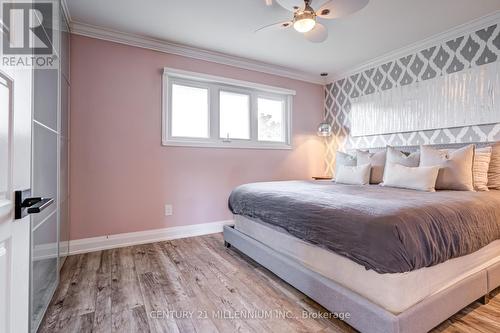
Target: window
{"points": [[271, 116], [207, 111], [189, 111], [234, 115]]}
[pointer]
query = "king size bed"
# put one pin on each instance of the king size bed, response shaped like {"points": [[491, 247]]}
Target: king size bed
{"points": [[395, 260]]}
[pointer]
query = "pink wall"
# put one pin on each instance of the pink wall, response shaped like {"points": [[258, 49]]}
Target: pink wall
{"points": [[121, 176]]}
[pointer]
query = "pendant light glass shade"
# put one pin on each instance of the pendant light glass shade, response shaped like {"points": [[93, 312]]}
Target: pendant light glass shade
{"points": [[324, 129]]}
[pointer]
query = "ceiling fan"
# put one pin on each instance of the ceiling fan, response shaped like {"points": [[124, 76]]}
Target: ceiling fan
{"points": [[305, 18]]}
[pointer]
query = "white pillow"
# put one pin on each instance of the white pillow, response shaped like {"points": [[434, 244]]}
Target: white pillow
{"points": [[480, 170], [396, 156], [455, 167], [353, 175], [414, 178], [377, 161]]}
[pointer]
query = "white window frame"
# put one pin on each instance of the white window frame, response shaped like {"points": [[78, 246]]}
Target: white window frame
{"points": [[215, 84]]}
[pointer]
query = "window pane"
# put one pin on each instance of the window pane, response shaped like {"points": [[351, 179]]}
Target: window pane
{"points": [[189, 111], [270, 113], [234, 115]]}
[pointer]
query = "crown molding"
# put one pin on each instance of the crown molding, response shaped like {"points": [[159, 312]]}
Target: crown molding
{"points": [[88, 30], [460, 30]]}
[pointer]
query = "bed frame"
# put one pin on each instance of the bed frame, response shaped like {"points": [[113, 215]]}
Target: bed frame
{"points": [[366, 316]]}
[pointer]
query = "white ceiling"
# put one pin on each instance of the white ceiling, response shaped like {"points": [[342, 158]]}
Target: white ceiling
{"points": [[228, 26]]}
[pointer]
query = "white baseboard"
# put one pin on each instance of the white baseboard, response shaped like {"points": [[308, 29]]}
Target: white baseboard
{"points": [[143, 237]]}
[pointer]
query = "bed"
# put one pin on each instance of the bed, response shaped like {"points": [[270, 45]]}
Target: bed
{"points": [[396, 260]]}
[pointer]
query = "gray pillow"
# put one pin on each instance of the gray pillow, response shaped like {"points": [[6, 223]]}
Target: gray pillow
{"points": [[396, 156], [455, 171], [376, 160], [343, 159]]}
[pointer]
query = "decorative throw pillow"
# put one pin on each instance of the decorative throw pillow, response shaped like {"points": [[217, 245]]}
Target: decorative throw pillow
{"points": [[377, 161], [455, 171], [494, 170], [344, 159], [482, 159], [353, 175], [414, 178], [396, 156]]}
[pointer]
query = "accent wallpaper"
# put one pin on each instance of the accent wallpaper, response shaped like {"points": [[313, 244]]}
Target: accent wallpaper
{"points": [[474, 49]]}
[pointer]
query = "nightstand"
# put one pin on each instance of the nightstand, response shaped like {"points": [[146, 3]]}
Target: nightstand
{"points": [[322, 178]]}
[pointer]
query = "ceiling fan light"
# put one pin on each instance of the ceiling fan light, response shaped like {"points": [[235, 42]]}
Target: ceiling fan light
{"points": [[304, 25]]}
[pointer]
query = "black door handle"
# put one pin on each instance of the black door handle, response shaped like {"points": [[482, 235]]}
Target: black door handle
{"points": [[24, 204], [40, 205]]}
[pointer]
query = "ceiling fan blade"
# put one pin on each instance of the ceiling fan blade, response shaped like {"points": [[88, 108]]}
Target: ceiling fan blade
{"points": [[339, 8], [278, 26], [291, 5], [318, 34]]}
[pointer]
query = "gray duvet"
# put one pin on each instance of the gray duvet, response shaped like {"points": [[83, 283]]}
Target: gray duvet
{"points": [[385, 229]]}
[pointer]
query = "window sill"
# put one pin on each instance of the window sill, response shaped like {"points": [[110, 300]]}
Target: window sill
{"points": [[230, 145]]}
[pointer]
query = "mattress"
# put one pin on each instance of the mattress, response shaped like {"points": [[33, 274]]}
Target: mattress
{"points": [[395, 292], [388, 230]]}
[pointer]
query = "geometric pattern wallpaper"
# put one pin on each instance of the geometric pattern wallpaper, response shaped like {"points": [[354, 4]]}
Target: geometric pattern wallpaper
{"points": [[476, 48]]}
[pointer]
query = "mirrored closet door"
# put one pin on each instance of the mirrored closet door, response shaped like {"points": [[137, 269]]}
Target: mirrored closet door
{"points": [[50, 170]]}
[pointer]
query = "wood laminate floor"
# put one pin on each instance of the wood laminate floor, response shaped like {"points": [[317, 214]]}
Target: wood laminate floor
{"points": [[197, 285]]}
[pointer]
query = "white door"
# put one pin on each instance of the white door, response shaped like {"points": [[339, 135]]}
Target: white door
{"points": [[15, 165]]}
